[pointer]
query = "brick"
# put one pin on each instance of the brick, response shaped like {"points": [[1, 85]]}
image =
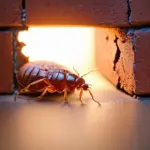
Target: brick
{"points": [[140, 11], [6, 63], [10, 12], [123, 57], [142, 61], [77, 12], [115, 58]]}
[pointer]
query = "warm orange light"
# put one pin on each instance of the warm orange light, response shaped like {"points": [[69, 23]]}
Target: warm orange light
{"points": [[69, 46]]}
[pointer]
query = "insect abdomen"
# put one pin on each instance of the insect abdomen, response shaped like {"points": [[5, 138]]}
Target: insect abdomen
{"points": [[30, 73], [60, 78]]}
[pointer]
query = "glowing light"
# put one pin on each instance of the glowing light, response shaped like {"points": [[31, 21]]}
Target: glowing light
{"points": [[69, 46]]}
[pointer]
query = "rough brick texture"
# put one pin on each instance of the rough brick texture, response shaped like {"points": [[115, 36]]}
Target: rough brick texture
{"points": [[140, 12], [81, 12], [123, 57], [10, 12], [6, 63], [115, 57], [142, 61]]}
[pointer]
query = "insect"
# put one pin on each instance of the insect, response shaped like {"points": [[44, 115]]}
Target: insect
{"points": [[50, 77]]}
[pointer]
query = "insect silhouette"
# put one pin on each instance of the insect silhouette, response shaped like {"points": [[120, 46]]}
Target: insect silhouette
{"points": [[50, 77]]}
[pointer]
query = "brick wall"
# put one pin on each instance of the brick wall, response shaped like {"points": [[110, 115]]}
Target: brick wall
{"points": [[83, 12], [125, 53], [10, 21], [10, 12], [124, 47]]}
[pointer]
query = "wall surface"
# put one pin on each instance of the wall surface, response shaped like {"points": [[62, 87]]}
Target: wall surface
{"points": [[77, 12], [10, 12], [125, 54], [139, 12], [124, 47], [6, 62]]}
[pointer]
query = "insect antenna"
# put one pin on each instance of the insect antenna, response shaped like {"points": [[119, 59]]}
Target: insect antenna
{"points": [[89, 84], [88, 73], [76, 71]]}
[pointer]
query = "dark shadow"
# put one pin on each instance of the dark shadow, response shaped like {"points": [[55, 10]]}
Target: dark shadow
{"points": [[144, 98]]}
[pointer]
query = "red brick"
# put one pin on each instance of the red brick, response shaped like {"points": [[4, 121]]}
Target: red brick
{"points": [[115, 57], [6, 63], [142, 61], [132, 65], [77, 12], [10, 12], [140, 10]]}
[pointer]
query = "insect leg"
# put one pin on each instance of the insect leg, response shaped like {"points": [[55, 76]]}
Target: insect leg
{"points": [[42, 95], [46, 89], [20, 92], [65, 94], [52, 90], [33, 83], [65, 89], [80, 95], [93, 97]]}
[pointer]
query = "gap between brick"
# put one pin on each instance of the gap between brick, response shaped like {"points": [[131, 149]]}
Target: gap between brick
{"points": [[129, 10], [116, 59], [117, 56]]}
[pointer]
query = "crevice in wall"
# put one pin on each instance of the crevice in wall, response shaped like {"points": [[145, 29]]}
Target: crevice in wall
{"points": [[129, 10], [119, 84], [131, 34], [117, 56], [23, 16], [116, 59], [14, 60], [18, 58]]}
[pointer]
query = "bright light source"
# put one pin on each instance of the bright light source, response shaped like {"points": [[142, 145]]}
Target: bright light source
{"points": [[69, 46]]}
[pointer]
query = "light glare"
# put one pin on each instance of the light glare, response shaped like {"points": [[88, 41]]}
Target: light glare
{"points": [[69, 46]]}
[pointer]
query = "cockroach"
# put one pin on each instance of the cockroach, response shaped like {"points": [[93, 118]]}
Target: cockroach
{"points": [[50, 77]]}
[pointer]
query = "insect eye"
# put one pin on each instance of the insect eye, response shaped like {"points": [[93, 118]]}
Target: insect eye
{"points": [[84, 86]]}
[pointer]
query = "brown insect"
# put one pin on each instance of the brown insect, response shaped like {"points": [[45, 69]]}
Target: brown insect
{"points": [[49, 77]]}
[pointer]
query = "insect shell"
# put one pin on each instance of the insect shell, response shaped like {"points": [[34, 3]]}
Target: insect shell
{"points": [[50, 77]]}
